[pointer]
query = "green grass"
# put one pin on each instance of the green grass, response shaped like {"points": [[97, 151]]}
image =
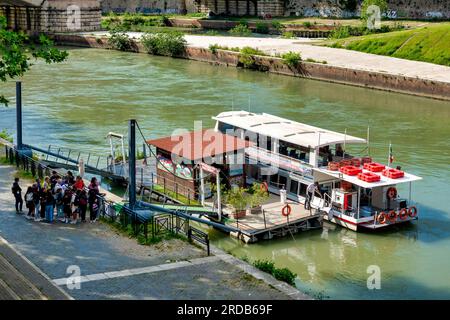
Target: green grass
{"points": [[428, 44]]}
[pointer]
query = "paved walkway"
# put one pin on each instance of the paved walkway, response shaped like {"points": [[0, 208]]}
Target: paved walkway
{"points": [[115, 267], [333, 56]]}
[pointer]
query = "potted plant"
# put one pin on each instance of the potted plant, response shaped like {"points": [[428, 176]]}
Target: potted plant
{"points": [[239, 199], [258, 196]]}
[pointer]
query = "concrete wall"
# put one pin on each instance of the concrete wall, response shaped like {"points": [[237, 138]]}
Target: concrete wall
{"points": [[361, 78], [149, 6]]}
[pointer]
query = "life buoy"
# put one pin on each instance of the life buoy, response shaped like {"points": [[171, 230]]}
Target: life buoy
{"points": [[264, 187], [403, 214], [392, 216], [412, 212], [391, 193], [286, 211], [382, 218]]}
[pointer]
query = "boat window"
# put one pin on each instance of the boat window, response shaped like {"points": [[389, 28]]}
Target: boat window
{"points": [[274, 180], [294, 187], [224, 127], [302, 190], [282, 182]]}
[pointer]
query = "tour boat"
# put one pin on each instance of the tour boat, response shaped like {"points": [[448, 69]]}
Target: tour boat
{"points": [[287, 156]]}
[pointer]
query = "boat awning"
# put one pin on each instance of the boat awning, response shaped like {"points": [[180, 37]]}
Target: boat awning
{"points": [[198, 145], [286, 130], [384, 181]]}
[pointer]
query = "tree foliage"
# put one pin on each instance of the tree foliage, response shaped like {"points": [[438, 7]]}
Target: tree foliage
{"points": [[17, 50]]}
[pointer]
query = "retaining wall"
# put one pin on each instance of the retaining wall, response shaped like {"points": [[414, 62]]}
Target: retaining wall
{"points": [[309, 70]]}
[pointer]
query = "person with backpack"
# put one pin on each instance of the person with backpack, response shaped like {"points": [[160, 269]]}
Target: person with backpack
{"points": [[49, 206], [29, 197], [82, 204], [59, 204], [67, 204], [17, 192]]}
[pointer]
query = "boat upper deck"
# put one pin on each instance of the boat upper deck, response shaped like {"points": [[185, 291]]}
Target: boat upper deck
{"points": [[286, 130]]}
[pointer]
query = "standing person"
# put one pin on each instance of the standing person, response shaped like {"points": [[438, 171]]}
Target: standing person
{"points": [[310, 191], [43, 201], [69, 179], [59, 204], [92, 199], [67, 204], [37, 200], [49, 206], [75, 206], [29, 197], [17, 192], [47, 185], [79, 183], [54, 179], [82, 204]]}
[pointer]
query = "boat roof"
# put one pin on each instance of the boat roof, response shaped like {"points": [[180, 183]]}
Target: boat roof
{"points": [[201, 144], [286, 130], [384, 181]]}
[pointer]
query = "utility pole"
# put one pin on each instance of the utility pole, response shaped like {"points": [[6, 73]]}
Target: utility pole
{"points": [[132, 163], [19, 114]]}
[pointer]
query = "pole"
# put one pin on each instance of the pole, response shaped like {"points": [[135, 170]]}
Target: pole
{"points": [[219, 202], [113, 162], [202, 187], [19, 114], [132, 163], [368, 139]]}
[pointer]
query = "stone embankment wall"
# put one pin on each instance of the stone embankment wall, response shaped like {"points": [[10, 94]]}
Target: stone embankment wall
{"points": [[415, 9], [309, 70], [54, 16]]}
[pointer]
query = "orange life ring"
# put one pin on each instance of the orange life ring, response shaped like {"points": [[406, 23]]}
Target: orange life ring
{"points": [[392, 216], [412, 212], [264, 187], [286, 211], [382, 218], [403, 214], [391, 193]]}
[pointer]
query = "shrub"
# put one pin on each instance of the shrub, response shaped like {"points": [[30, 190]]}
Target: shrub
{"points": [[247, 58], [284, 274], [277, 25], [341, 32], [4, 134], [264, 265], [307, 24], [240, 30], [288, 35], [262, 27], [212, 32], [119, 40], [165, 44], [292, 59], [214, 47]]}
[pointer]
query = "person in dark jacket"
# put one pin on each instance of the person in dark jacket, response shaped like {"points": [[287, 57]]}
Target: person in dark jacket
{"points": [[29, 196], [49, 206], [92, 199], [17, 192], [82, 202]]}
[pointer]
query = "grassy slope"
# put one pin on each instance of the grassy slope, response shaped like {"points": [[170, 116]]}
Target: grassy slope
{"points": [[429, 44]]}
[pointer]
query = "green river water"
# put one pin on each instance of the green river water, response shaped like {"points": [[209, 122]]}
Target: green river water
{"points": [[75, 104]]}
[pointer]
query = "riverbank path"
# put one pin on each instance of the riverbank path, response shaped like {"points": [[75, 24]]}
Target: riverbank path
{"points": [[93, 261]]}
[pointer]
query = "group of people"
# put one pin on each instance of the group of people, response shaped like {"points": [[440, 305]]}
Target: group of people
{"points": [[59, 198]]}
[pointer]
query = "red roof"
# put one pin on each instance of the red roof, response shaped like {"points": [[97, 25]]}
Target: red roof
{"points": [[197, 145]]}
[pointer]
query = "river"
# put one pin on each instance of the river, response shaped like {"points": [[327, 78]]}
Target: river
{"points": [[75, 104]]}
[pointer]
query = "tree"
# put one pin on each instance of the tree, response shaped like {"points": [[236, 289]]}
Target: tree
{"points": [[382, 4], [17, 50]]}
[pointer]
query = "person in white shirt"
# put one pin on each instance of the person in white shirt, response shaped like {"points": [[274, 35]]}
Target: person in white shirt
{"points": [[310, 192]]}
